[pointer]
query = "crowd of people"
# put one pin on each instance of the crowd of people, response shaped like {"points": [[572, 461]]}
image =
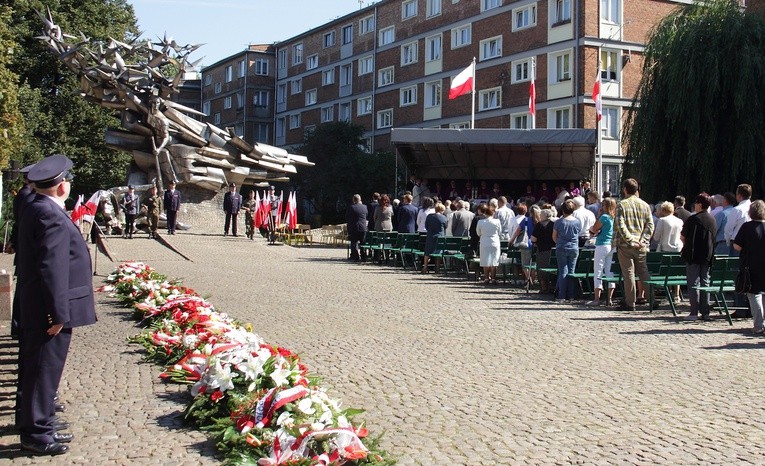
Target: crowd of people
{"points": [[569, 219]]}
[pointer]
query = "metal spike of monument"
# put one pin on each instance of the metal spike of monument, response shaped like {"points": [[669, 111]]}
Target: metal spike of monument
{"points": [[166, 143]]}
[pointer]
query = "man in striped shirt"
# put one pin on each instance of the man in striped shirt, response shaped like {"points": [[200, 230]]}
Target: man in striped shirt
{"points": [[633, 228]]}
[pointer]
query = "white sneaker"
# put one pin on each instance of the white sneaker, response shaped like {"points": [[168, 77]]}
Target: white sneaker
{"points": [[691, 317], [594, 303]]}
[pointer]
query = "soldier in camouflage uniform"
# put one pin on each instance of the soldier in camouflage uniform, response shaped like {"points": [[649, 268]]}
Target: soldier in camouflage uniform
{"points": [[250, 209], [153, 208]]}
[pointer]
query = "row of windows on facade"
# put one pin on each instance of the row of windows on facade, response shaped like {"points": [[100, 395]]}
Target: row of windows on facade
{"points": [[522, 18]]}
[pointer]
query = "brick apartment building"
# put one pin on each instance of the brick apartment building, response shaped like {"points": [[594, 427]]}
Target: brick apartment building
{"points": [[390, 65]]}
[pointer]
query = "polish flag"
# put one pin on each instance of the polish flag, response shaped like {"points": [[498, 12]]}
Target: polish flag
{"points": [[256, 212], [265, 209], [598, 98], [279, 211], [292, 211], [76, 211], [88, 211], [532, 98], [463, 82]]}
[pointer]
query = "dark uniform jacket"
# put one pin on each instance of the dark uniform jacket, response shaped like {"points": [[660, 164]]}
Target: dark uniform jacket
{"points": [[232, 202], [356, 218], [172, 200], [55, 283], [130, 204]]}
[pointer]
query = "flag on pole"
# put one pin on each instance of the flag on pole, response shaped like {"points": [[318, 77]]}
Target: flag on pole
{"points": [[265, 209], [462, 83], [532, 98], [293, 210], [598, 98], [88, 211], [279, 209], [77, 210]]}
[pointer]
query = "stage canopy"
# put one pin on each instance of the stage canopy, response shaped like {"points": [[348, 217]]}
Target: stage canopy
{"points": [[489, 154]]}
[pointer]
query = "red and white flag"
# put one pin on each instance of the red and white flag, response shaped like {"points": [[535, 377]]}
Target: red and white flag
{"points": [[463, 82], [532, 98], [292, 211], [598, 98], [76, 211], [279, 211], [88, 211]]}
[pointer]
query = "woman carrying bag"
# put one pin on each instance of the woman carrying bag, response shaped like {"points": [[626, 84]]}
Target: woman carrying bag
{"points": [[750, 241]]}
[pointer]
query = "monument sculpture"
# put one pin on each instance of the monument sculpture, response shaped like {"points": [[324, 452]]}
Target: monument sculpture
{"points": [[166, 142]]}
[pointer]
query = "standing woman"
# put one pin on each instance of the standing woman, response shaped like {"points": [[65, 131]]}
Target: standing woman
{"points": [[383, 214], [435, 227], [604, 252], [750, 242], [542, 238], [488, 230], [566, 236], [526, 227]]}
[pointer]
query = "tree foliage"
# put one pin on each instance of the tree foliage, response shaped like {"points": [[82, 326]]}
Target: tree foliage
{"points": [[12, 128], [56, 118], [342, 169], [698, 119]]}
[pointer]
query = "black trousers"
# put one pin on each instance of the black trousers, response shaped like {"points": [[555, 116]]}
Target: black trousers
{"points": [[230, 221], [129, 224], [42, 358], [356, 238], [171, 216]]}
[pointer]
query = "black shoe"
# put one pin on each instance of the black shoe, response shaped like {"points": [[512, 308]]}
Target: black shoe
{"points": [[225, 234], [641, 301], [625, 307], [62, 437], [51, 449], [60, 407], [59, 425], [706, 318]]}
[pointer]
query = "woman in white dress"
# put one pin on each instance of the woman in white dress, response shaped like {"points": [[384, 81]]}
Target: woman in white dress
{"points": [[488, 229], [667, 234]]}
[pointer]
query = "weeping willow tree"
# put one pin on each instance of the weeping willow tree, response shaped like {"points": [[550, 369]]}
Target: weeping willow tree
{"points": [[698, 118]]}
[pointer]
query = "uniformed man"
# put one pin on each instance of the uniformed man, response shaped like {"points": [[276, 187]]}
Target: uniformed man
{"points": [[129, 205], [273, 216], [55, 290], [153, 209], [250, 207], [25, 195], [172, 203], [232, 202]]}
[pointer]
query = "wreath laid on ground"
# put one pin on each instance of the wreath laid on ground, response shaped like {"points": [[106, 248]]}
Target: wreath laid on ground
{"points": [[257, 400]]}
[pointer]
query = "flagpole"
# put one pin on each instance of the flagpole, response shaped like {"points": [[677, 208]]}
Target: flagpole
{"points": [[598, 123], [473, 97]]}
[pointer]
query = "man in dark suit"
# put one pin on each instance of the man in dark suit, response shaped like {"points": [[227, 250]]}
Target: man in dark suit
{"points": [[55, 290], [232, 202], [23, 198], [356, 218], [172, 203], [407, 215]]}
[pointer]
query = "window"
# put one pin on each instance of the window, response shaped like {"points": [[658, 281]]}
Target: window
{"points": [[562, 69], [609, 11], [229, 73], [562, 117], [460, 125], [239, 100], [409, 53], [218, 87], [608, 63], [280, 127], [525, 17], [364, 106], [491, 48], [346, 74], [433, 48], [348, 34], [490, 4], [387, 36], [206, 107], [408, 96], [366, 65], [239, 129], [296, 86], [562, 11], [366, 25], [327, 114], [283, 58], [520, 122], [310, 97], [260, 98], [433, 8], [295, 121], [461, 36], [385, 77], [208, 80], [297, 54], [312, 62], [385, 118], [328, 77], [433, 94], [344, 112], [261, 67], [490, 99], [216, 119], [261, 132], [408, 9], [242, 68], [609, 125], [521, 71], [227, 102], [281, 93], [329, 39]]}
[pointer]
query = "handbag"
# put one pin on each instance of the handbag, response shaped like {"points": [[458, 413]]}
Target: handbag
{"points": [[522, 240], [743, 280]]}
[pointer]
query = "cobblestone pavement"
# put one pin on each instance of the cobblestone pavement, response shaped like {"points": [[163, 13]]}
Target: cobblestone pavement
{"points": [[450, 371]]}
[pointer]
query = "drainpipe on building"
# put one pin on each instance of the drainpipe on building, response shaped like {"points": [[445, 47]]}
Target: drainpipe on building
{"points": [[244, 96], [576, 60], [374, 88]]}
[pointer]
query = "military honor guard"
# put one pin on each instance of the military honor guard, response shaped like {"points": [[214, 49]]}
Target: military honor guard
{"points": [[232, 202], [129, 206], [172, 203], [55, 292], [250, 207], [153, 208]]}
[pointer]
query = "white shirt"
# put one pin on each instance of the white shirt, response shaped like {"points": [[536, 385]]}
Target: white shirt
{"points": [[667, 234], [421, 216], [505, 217], [586, 219], [737, 216]]}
